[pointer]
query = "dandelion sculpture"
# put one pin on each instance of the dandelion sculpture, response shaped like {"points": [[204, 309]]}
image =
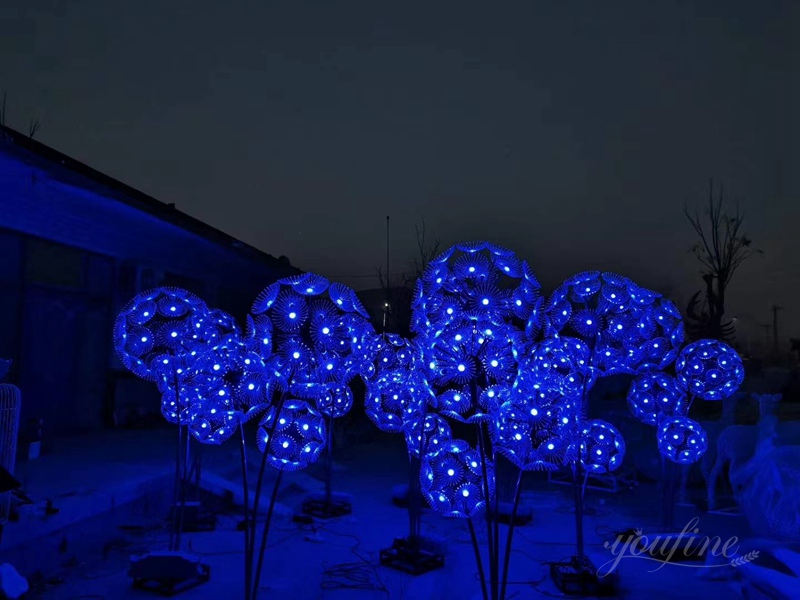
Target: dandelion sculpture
{"points": [[396, 401], [320, 340], [706, 369], [489, 352], [167, 335], [710, 370], [624, 329], [652, 395], [235, 387], [159, 337], [537, 429], [471, 309]]}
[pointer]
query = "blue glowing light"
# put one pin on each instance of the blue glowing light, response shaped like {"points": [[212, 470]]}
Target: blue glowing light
{"points": [[602, 447], [397, 394], [469, 311], [155, 336], [321, 339], [654, 394], [298, 437], [709, 369], [630, 329], [535, 436], [428, 435], [681, 440], [452, 480]]}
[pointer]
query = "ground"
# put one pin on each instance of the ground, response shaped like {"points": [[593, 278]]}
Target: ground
{"points": [[336, 559]]}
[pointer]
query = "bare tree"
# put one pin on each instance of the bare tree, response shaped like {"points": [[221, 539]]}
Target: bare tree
{"points": [[721, 250], [398, 289], [33, 127]]}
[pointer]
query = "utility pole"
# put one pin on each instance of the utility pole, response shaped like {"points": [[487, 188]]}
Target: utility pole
{"points": [[775, 309], [388, 280]]}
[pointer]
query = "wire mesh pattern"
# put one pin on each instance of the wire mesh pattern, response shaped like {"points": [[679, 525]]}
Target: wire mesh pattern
{"points": [[654, 394], [320, 336], [710, 369]]}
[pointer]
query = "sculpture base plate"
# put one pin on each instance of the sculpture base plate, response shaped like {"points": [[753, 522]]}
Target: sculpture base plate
{"points": [[193, 518], [577, 577], [167, 573], [321, 507], [410, 558]]}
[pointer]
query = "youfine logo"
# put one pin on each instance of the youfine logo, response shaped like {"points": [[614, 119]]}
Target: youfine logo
{"points": [[674, 548]]}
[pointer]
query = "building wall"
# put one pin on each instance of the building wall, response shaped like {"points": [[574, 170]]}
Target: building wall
{"points": [[57, 309], [55, 325], [71, 256]]}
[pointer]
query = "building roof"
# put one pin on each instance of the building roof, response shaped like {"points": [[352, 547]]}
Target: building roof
{"points": [[66, 169]]}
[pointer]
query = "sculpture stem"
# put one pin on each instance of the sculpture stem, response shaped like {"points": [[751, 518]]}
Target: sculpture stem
{"points": [[414, 491], [496, 524], [263, 547], [488, 504], [248, 560], [478, 560], [414, 498], [578, 491], [260, 480], [175, 492], [329, 463], [507, 556], [184, 486]]}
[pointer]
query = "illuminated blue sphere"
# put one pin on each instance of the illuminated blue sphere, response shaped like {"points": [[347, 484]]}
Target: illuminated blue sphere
{"points": [[160, 336], [557, 367], [709, 369], [183, 392], [644, 338], [581, 305], [452, 480], [398, 393], [430, 435], [320, 337], [681, 440], [475, 284], [298, 438], [535, 436], [471, 371], [217, 328], [469, 311], [654, 394], [631, 330], [335, 400], [215, 423], [602, 447], [156, 325], [237, 375]]}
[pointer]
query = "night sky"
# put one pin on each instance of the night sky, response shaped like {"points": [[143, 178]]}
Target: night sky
{"points": [[571, 132]]}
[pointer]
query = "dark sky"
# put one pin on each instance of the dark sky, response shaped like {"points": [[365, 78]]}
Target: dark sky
{"points": [[572, 132]]}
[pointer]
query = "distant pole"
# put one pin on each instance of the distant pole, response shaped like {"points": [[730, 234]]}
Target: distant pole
{"points": [[775, 309], [388, 281], [387, 251]]}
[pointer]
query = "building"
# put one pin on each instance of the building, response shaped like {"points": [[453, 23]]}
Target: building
{"points": [[75, 246]]}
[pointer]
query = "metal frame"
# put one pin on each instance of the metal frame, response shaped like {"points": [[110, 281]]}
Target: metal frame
{"points": [[10, 400]]}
